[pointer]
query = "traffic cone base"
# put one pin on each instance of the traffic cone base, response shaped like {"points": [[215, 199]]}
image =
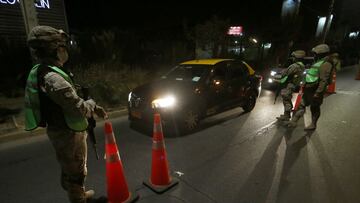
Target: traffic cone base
{"points": [[133, 197], [159, 189]]}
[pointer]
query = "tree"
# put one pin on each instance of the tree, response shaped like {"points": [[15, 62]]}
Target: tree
{"points": [[209, 36]]}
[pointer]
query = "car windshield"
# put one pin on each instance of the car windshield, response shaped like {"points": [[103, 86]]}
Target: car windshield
{"points": [[187, 72]]}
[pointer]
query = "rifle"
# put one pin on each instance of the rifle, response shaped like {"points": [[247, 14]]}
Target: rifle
{"points": [[91, 123], [282, 84]]}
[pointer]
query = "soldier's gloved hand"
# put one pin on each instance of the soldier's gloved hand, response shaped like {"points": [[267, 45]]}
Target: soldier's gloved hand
{"points": [[100, 111]]}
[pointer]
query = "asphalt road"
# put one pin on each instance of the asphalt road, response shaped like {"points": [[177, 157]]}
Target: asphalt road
{"points": [[234, 158]]}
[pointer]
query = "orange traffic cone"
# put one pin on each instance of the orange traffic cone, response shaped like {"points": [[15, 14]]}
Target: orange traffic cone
{"points": [[117, 188], [160, 180], [298, 99], [358, 75], [331, 86]]}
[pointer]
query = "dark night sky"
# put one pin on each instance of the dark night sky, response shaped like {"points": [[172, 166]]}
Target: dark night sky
{"points": [[253, 15], [162, 15]]}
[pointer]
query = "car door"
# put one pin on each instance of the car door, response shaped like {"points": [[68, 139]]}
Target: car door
{"points": [[237, 82], [216, 93]]}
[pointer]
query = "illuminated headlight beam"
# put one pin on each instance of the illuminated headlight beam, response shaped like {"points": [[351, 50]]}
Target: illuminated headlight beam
{"points": [[272, 73], [164, 102]]}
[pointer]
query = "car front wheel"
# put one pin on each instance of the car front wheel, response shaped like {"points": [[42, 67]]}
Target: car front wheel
{"points": [[250, 103], [189, 120]]}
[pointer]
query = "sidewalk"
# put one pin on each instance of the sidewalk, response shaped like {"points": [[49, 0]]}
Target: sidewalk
{"points": [[13, 129]]}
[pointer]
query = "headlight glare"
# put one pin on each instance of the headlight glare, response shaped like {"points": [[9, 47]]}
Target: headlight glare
{"points": [[273, 73], [164, 102]]}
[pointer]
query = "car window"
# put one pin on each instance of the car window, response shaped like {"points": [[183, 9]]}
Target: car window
{"points": [[220, 71], [187, 72], [237, 70]]}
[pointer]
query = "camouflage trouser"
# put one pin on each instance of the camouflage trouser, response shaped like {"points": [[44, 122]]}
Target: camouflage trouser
{"points": [[308, 99], [286, 95], [71, 153]]}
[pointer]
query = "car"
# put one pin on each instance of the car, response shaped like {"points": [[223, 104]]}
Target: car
{"points": [[194, 90], [275, 74]]}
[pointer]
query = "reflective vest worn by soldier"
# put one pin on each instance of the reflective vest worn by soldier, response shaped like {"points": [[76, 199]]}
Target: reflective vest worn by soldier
{"points": [[293, 74], [33, 118]]}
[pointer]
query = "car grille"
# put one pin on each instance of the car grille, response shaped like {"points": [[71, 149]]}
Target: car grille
{"points": [[137, 102]]}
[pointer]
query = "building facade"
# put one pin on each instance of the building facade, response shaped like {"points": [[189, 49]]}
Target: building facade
{"points": [[12, 22]]}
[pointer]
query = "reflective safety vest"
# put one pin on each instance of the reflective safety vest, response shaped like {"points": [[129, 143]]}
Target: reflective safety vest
{"points": [[32, 103], [296, 76], [312, 74]]}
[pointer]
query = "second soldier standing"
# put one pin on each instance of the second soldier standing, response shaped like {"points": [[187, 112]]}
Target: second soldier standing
{"points": [[291, 79]]}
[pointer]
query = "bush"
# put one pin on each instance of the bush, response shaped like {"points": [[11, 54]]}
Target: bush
{"points": [[110, 84]]}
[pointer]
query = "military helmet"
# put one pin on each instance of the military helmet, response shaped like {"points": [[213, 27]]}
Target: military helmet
{"points": [[321, 49], [46, 37], [298, 54]]}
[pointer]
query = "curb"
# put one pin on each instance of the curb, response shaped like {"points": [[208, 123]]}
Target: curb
{"points": [[21, 134]]}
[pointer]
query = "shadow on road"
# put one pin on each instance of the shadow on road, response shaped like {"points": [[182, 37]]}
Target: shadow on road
{"points": [[334, 192], [259, 182], [300, 185]]}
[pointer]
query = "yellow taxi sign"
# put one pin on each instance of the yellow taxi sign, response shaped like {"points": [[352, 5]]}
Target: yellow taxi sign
{"points": [[205, 61]]}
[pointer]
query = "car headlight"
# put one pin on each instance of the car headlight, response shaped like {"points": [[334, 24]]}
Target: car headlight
{"points": [[270, 80], [273, 73], [129, 97], [164, 102]]}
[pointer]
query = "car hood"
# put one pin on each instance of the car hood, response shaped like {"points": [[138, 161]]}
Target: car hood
{"points": [[164, 87]]}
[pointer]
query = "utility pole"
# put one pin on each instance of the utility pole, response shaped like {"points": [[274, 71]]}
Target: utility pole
{"points": [[327, 21], [29, 14]]}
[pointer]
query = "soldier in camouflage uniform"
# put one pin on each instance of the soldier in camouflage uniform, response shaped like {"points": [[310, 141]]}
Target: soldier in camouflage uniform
{"points": [[291, 78], [317, 79], [51, 101]]}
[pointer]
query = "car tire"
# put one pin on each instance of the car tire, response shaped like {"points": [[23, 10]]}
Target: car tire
{"points": [[251, 101], [189, 120]]}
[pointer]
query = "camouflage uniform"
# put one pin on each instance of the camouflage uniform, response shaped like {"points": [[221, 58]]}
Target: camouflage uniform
{"points": [[70, 146], [314, 94], [294, 76], [57, 98], [295, 70]]}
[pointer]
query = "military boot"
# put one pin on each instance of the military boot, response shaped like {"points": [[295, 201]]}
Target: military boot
{"points": [[312, 125], [293, 122], [284, 117], [89, 194]]}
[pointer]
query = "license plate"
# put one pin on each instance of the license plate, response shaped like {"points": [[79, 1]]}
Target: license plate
{"points": [[136, 114]]}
